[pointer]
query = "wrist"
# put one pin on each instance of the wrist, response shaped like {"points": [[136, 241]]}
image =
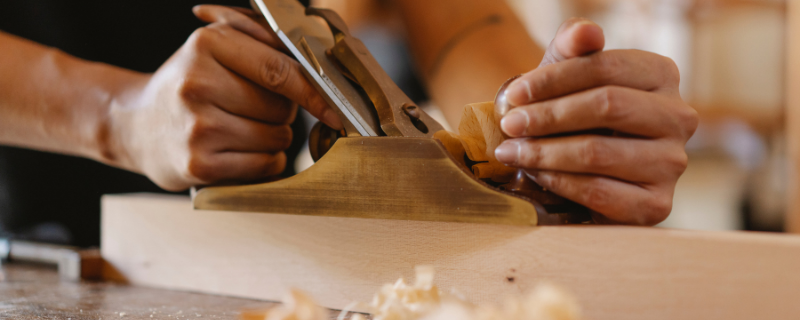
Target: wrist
{"points": [[114, 136]]}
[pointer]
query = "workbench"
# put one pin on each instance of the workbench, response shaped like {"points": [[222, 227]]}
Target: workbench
{"points": [[32, 291]]}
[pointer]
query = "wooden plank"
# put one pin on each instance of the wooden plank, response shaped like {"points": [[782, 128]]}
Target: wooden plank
{"points": [[616, 272], [793, 116]]}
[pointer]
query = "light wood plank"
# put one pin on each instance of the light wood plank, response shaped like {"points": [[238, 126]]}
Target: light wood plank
{"points": [[616, 272], [793, 116]]}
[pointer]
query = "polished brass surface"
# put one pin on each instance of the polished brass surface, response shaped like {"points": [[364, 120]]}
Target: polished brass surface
{"points": [[385, 178]]}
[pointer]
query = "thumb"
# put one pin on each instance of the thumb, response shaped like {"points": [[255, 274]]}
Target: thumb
{"points": [[576, 37]]}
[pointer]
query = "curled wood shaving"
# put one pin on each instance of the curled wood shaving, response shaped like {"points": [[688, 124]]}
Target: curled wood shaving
{"points": [[400, 301], [424, 301], [546, 302], [297, 306]]}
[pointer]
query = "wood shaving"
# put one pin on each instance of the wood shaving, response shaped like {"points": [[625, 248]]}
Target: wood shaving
{"points": [[400, 301], [424, 301], [297, 306], [546, 302]]}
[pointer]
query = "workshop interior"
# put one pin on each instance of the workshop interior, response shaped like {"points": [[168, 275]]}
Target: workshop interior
{"points": [[737, 59]]}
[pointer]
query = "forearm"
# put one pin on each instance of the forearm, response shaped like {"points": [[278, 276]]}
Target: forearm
{"points": [[465, 49], [54, 102]]}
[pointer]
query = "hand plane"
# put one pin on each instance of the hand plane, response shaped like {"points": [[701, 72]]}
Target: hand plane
{"points": [[391, 160]]}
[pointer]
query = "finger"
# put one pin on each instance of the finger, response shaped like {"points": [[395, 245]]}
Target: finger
{"points": [[266, 67], [239, 166], [618, 201], [623, 109], [634, 160], [240, 19], [242, 97], [627, 68], [575, 37], [253, 136], [220, 131]]}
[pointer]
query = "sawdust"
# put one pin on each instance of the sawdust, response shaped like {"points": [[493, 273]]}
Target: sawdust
{"points": [[424, 301]]}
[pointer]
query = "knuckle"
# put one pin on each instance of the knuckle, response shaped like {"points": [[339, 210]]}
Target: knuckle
{"points": [[283, 137], [201, 132], [556, 183], [285, 111], [223, 26], [199, 167], [595, 154], [670, 70], [191, 88], [274, 72], [546, 79], [689, 120], [312, 99], [596, 196], [274, 165], [680, 161], [660, 208], [606, 65], [291, 113], [543, 118], [203, 38], [608, 105], [530, 154]]}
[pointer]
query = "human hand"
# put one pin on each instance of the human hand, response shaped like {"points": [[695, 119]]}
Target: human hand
{"points": [[628, 177], [218, 110]]}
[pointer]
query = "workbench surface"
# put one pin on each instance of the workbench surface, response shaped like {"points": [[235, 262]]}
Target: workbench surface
{"points": [[29, 291]]}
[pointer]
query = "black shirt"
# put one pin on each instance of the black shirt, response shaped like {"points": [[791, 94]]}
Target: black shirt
{"points": [[38, 187]]}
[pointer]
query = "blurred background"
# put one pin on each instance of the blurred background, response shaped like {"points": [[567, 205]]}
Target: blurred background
{"points": [[731, 54]]}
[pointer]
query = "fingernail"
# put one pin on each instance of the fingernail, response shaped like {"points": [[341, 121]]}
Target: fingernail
{"points": [[519, 92], [332, 119], [507, 152], [515, 123], [581, 23]]}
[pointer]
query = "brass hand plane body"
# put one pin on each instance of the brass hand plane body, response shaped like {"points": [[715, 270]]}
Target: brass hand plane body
{"points": [[391, 161]]}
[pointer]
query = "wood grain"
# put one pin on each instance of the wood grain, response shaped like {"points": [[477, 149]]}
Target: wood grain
{"points": [[616, 272], [480, 135], [453, 144]]}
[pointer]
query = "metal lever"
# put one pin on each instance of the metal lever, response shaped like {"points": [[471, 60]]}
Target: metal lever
{"points": [[398, 115]]}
